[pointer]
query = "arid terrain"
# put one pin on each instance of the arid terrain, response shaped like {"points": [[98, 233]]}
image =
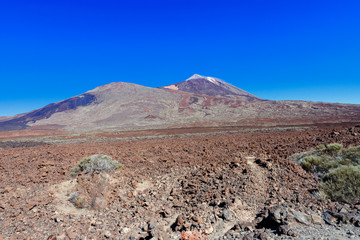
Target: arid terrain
{"points": [[189, 183], [198, 101], [179, 120], [198, 159]]}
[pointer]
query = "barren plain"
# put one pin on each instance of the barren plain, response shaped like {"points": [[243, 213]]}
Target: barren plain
{"points": [[190, 183]]}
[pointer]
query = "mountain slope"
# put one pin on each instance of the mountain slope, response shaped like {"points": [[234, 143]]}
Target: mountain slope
{"points": [[121, 106], [212, 86], [21, 121], [131, 106]]}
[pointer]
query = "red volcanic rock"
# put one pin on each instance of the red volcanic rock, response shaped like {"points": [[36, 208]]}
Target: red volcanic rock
{"points": [[217, 183]]}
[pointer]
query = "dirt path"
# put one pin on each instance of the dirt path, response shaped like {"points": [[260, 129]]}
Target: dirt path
{"points": [[257, 176]]}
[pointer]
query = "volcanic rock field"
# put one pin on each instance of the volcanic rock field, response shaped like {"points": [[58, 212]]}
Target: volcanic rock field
{"points": [[178, 184]]}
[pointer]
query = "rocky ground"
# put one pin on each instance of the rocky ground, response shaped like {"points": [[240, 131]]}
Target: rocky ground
{"points": [[222, 186]]}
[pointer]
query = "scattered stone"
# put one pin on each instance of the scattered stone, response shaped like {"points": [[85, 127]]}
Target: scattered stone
{"points": [[179, 223], [300, 217], [248, 228], [328, 218], [316, 219], [107, 234], [197, 174], [124, 230], [209, 229], [284, 229], [280, 215], [227, 216], [261, 236], [151, 225], [71, 234]]}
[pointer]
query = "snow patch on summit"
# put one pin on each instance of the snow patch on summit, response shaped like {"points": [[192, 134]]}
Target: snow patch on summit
{"points": [[195, 76], [213, 80], [210, 79]]}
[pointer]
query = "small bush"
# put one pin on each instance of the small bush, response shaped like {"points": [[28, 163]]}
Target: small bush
{"points": [[309, 162], [336, 167], [320, 148], [319, 164], [75, 199], [353, 154], [343, 183], [334, 148], [97, 162]]}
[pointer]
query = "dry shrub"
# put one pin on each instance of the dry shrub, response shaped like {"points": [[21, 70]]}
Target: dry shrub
{"points": [[91, 175], [75, 199], [337, 168], [97, 162]]}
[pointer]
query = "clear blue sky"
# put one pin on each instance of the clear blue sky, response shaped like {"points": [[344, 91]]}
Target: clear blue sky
{"points": [[303, 50]]}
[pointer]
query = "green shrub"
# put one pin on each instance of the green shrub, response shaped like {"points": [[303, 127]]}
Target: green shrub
{"points": [[337, 168], [343, 183], [334, 148], [321, 148], [97, 162], [318, 164], [353, 154], [310, 163]]}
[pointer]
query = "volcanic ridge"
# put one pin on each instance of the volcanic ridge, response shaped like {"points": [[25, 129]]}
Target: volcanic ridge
{"points": [[198, 100]]}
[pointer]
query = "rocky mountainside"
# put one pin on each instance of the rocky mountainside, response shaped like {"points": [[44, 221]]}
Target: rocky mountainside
{"points": [[198, 101]]}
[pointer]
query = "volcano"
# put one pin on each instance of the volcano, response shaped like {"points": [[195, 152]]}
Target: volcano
{"points": [[198, 101], [213, 87]]}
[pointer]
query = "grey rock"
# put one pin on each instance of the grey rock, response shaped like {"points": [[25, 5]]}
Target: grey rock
{"points": [[280, 215], [107, 234], [328, 218], [227, 216], [151, 226], [300, 217]]}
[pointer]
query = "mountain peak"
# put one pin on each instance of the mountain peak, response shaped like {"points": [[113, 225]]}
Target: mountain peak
{"points": [[210, 79], [195, 76], [211, 86]]}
